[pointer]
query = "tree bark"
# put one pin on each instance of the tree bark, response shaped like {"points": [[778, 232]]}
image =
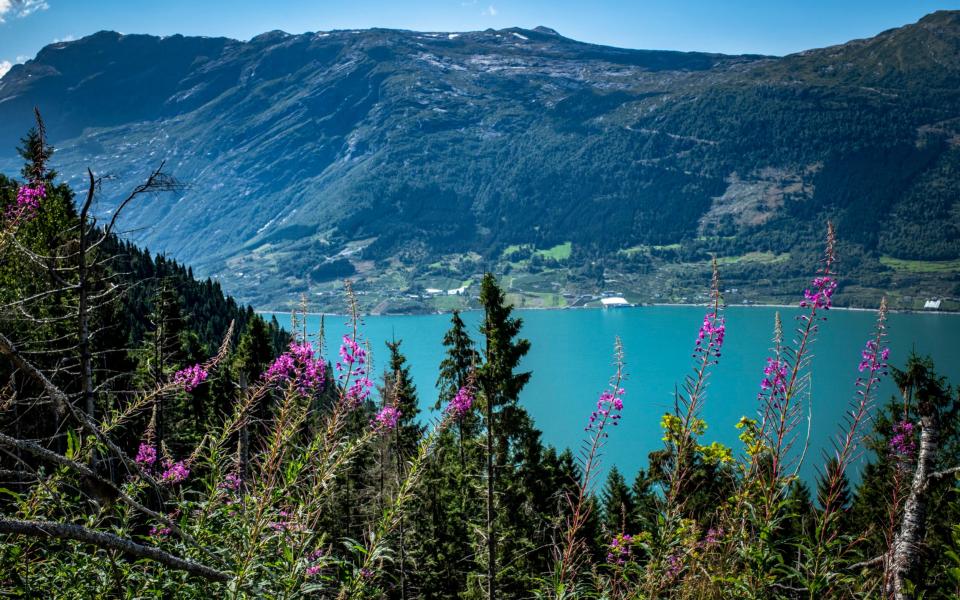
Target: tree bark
{"points": [[491, 531], [908, 538], [108, 541]]}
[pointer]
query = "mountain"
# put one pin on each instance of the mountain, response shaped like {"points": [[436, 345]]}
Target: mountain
{"points": [[412, 160]]}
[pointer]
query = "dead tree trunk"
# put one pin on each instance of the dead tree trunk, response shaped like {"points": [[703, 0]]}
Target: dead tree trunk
{"points": [[907, 540]]}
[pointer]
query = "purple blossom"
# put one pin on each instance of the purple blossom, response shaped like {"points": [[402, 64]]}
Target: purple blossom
{"points": [[146, 455], [191, 377], [299, 366], [711, 335], [28, 201], [351, 368], [609, 407], [821, 294], [774, 378], [160, 531], [618, 553], [359, 391], [313, 570], [231, 482], [386, 419], [713, 536], [351, 352], [461, 403], [674, 564], [175, 472], [902, 444], [872, 360]]}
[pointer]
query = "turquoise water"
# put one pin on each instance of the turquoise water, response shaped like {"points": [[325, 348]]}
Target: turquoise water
{"points": [[572, 353]]}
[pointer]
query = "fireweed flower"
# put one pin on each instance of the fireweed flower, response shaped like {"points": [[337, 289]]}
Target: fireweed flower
{"points": [[821, 294], [774, 377], [352, 368], [618, 552], [230, 483], [713, 536], [461, 403], [299, 366], [902, 444], [191, 377], [710, 337], [313, 560], [146, 455], [674, 564], [28, 201], [174, 472], [872, 359], [160, 531], [386, 420], [359, 391], [609, 407]]}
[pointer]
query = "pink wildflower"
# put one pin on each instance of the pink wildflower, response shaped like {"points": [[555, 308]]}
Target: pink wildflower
{"points": [[146, 455], [191, 377], [461, 403], [175, 472], [230, 483], [619, 550], [711, 335], [386, 419], [299, 366], [821, 294], [28, 201], [902, 444], [609, 407]]}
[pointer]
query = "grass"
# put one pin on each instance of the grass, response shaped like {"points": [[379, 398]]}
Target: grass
{"points": [[921, 266], [755, 257], [559, 252]]}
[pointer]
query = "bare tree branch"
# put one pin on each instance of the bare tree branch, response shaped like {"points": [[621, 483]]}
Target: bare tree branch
{"points": [[108, 541]]}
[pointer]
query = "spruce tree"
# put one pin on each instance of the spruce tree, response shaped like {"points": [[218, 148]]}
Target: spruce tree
{"points": [[619, 507], [500, 387]]}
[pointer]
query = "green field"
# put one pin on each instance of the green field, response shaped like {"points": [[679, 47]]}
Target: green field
{"points": [[559, 252], [756, 257], [921, 266]]}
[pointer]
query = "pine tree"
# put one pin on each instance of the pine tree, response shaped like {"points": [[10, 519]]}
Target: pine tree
{"points": [[162, 351], [619, 507], [461, 359], [645, 500], [400, 390], [500, 388]]}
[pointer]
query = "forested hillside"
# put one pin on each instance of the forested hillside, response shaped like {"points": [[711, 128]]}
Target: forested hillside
{"points": [[415, 161], [157, 440]]}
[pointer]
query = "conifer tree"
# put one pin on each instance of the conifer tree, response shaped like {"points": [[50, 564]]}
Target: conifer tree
{"points": [[619, 507], [500, 387]]}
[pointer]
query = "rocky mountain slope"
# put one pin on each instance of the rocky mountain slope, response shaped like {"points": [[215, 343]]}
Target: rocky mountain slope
{"points": [[394, 156]]}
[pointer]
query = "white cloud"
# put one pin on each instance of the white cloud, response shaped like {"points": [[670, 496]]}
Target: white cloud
{"points": [[66, 38], [490, 11], [5, 65], [21, 8]]}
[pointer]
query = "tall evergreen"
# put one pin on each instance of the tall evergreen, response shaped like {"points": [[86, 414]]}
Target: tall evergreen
{"points": [[500, 387], [619, 506]]}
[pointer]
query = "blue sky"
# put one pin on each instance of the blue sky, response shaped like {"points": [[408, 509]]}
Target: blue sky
{"points": [[730, 26]]}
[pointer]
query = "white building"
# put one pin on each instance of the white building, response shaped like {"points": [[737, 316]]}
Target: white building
{"points": [[931, 305], [614, 302]]}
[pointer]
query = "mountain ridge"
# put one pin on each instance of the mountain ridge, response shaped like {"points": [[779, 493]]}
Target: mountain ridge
{"points": [[376, 153]]}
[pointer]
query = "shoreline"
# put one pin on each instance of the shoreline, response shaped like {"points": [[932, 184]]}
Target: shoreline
{"points": [[652, 304]]}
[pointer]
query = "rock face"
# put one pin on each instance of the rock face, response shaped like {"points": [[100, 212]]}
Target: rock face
{"points": [[376, 144]]}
